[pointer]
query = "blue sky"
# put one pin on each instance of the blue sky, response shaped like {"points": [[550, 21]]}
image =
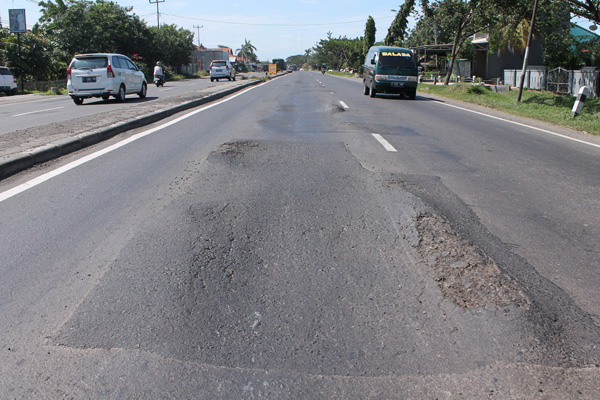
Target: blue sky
{"points": [[278, 28]]}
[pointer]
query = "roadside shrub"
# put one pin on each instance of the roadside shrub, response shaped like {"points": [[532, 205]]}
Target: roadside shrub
{"points": [[476, 89]]}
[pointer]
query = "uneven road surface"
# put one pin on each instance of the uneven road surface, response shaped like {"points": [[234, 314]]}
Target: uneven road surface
{"points": [[302, 241]]}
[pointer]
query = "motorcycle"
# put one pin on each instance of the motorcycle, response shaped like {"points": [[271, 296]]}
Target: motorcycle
{"points": [[158, 81], [323, 70]]}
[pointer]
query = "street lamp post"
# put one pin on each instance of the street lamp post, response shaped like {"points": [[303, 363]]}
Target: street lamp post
{"points": [[157, 12]]}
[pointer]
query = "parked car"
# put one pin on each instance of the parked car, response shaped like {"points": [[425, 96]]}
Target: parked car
{"points": [[221, 69], [104, 75], [8, 82]]}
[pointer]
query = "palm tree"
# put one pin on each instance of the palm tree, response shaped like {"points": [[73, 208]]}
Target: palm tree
{"points": [[247, 51]]}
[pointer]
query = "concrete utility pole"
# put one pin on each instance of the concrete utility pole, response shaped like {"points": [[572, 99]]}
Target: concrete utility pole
{"points": [[526, 57], [157, 12], [199, 27]]}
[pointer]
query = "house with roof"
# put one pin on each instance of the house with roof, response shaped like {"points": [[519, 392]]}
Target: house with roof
{"points": [[506, 65], [202, 57]]}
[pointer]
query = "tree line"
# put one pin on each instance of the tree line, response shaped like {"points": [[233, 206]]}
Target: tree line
{"points": [[69, 27], [456, 21]]}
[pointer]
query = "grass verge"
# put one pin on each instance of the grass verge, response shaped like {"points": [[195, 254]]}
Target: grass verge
{"points": [[344, 74], [543, 106]]}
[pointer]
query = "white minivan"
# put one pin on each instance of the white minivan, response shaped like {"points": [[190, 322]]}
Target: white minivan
{"points": [[104, 75], [8, 82]]}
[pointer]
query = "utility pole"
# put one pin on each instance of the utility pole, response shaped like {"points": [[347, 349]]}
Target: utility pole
{"points": [[199, 27], [526, 57], [157, 12]]}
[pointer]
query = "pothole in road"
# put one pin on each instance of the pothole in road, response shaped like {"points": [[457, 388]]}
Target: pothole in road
{"points": [[463, 273]]}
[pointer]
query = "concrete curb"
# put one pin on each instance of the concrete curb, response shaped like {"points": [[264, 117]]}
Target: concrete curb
{"points": [[14, 164]]}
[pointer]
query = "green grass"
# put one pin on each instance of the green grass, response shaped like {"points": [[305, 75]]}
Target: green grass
{"points": [[344, 74], [59, 91], [543, 106], [180, 77], [264, 78]]}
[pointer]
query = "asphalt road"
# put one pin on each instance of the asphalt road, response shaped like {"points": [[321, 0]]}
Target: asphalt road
{"points": [[21, 112], [279, 248]]}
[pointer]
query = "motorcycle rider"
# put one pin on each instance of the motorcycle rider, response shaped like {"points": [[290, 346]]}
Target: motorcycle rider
{"points": [[159, 71]]}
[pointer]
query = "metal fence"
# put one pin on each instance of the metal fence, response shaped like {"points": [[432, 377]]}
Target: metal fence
{"points": [[43, 86], [557, 80]]}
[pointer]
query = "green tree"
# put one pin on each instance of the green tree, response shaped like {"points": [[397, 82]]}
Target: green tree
{"points": [[171, 45], [369, 38], [298, 59], [397, 31], [589, 9], [461, 19], [427, 29], [339, 53], [38, 60], [553, 23], [247, 51], [84, 26]]}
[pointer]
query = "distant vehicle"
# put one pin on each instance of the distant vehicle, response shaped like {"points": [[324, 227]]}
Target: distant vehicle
{"points": [[281, 64], [158, 81], [390, 70], [8, 82], [293, 67], [221, 69], [104, 75]]}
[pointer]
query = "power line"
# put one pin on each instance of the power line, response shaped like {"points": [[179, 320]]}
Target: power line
{"points": [[272, 25]]}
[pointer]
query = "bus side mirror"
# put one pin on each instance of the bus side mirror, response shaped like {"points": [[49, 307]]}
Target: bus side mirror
{"points": [[373, 62]]}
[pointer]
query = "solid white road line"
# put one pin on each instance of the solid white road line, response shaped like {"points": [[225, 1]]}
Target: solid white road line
{"points": [[61, 170], [386, 145], [520, 124]]}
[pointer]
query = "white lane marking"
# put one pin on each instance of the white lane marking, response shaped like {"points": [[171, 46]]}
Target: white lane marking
{"points": [[386, 145], [37, 112], [509, 121], [344, 105], [520, 124], [49, 175]]}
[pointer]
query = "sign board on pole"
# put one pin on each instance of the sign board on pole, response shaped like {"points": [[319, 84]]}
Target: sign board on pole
{"points": [[272, 69], [16, 19]]}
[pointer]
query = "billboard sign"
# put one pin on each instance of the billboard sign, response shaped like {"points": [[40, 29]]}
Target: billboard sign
{"points": [[17, 21]]}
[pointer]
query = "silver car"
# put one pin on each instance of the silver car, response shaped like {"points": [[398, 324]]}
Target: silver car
{"points": [[221, 69], [104, 75]]}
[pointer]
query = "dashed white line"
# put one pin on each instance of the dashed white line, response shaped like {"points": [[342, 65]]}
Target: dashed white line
{"points": [[344, 105], [37, 112], [386, 145]]}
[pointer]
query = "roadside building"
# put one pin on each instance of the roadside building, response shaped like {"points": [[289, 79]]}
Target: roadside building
{"points": [[202, 57]]}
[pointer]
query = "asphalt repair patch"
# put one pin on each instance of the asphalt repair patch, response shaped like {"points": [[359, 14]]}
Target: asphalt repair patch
{"points": [[290, 256]]}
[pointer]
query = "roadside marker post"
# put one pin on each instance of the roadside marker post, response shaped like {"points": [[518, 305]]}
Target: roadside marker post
{"points": [[584, 92]]}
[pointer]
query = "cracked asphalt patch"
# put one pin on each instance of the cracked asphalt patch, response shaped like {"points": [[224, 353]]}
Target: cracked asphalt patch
{"points": [[465, 275]]}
